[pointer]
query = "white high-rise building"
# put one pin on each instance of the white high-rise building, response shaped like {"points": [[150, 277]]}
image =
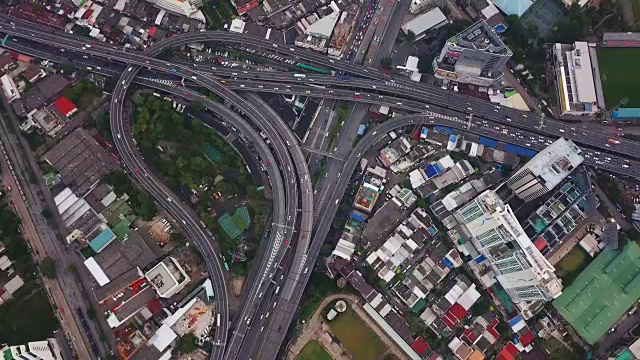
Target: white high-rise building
{"points": [[546, 170], [35, 350], [519, 267]]}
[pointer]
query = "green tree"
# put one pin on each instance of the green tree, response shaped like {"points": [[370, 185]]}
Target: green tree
{"points": [[187, 343], [72, 269], [386, 63], [46, 213], [67, 68], [48, 267], [425, 65], [177, 237], [410, 36]]}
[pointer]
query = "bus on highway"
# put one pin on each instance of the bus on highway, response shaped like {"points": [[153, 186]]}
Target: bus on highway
{"points": [[218, 321], [226, 266], [313, 68]]}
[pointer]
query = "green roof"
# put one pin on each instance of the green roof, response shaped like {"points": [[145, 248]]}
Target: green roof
{"points": [[615, 273], [229, 226], [213, 154], [625, 355], [122, 229], [7, 355]]}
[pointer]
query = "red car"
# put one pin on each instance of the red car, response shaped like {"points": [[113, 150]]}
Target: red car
{"points": [[286, 241], [137, 171], [356, 96]]}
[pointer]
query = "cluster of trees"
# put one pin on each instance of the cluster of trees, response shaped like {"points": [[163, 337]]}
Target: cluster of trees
{"points": [[184, 163], [83, 93], [16, 248], [140, 202]]}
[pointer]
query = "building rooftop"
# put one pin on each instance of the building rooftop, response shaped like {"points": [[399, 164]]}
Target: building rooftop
{"points": [[615, 273], [426, 21], [513, 7], [80, 160], [555, 162], [480, 36]]}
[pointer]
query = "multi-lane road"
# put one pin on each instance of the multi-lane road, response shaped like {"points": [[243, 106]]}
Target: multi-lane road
{"points": [[443, 107]]}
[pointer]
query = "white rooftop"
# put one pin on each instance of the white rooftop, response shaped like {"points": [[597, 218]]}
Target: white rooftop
{"points": [[323, 27], [426, 21], [556, 161], [580, 61]]}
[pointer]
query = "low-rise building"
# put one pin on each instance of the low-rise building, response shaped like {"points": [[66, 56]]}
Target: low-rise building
{"points": [[421, 24], [394, 151], [369, 191], [400, 246], [168, 277], [575, 79], [9, 88]]}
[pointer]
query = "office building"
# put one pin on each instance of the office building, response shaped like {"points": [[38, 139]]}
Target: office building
{"points": [[546, 170], [504, 247], [35, 350], [575, 79], [168, 277], [474, 56], [421, 24]]}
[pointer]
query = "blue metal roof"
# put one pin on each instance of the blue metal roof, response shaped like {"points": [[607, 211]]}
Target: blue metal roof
{"points": [[513, 7], [626, 113], [103, 239]]}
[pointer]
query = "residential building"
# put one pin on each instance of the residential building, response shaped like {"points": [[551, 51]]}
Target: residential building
{"points": [[9, 88], [65, 106], [400, 246], [167, 278], [576, 80], [6, 62], [35, 350], [474, 56], [422, 279], [616, 273], [495, 233], [47, 119], [369, 191], [422, 24], [398, 148], [546, 170]]}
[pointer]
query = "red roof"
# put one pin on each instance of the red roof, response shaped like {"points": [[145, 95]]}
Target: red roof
{"points": [[509, 352], [154, 306], [492, 329], [527, 338], [244, 8], [469, 334], [64, 105], [458, 311], [420, 346], [541, 243], [153, 30], [87, 14]]}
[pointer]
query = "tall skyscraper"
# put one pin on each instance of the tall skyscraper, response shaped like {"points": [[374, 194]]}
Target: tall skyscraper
{"points": [[474, 56], [495, 233], [546, 170]]}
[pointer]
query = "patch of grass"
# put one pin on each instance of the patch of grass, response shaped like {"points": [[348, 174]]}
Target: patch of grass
{"points": [[573, 260], [361, 342], [27, 317], [313, 351], [572, 264], [617, 75], [557, 350]]}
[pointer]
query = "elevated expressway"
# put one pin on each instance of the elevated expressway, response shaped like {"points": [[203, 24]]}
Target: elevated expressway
{"points": [[325, 221], [290, 157]]}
